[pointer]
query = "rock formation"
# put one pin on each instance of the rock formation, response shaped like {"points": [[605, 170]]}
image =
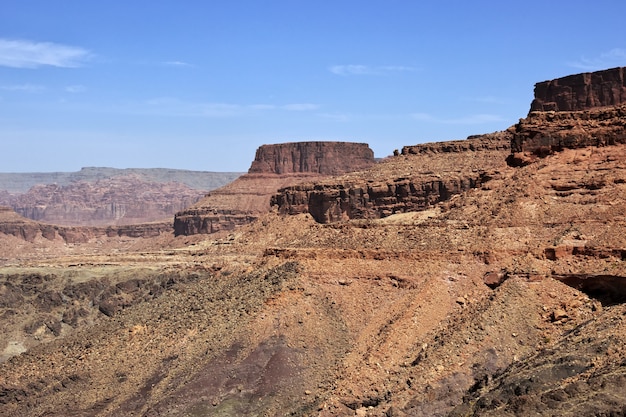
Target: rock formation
{"points": [[13, 224], [274, 166], [572, 112], [433, 173], [325, 158], [106, 196], [581, 91], [506, 299]]}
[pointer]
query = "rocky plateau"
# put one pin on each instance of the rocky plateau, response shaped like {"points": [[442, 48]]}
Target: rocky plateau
{"points": [[106, 196], [479, 277]]}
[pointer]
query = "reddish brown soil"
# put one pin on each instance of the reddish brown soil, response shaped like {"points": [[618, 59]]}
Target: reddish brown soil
{"points": [[386, 317]]}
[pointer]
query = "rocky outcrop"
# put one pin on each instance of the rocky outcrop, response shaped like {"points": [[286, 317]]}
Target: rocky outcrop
{"points": [[572, 112], [21, 182], [544, 132], [206, 220], [115, 201], [423, 185], [499, 141], [13, 224], [325, 158], [106, 196], [581, 91], [274, 167]]}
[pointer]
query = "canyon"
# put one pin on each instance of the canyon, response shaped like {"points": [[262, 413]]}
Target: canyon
{"points": [[478, 277], [274, 166], [106, 196]]}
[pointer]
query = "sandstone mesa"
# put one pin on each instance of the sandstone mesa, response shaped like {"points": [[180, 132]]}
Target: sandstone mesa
{"points": [[480, 277]]}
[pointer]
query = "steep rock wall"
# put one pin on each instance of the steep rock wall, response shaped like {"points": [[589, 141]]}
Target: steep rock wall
{"points": [[573, 112], [433, 173], [274, 167], [544, 132], [325, 158], [581, 91], [120, 200], [13, 224]]}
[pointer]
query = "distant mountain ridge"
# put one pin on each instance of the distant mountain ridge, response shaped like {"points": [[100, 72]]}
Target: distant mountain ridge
{"points": [[107, 196], [21, 182]]}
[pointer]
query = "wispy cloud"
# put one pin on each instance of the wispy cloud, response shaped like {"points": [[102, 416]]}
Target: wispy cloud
{"points": [[473, 119], [29, 54], [27, 88], [337, 117], [179, 64], [75, 88], [614, 58], [357, 69], [300, 107], [176, 107]]}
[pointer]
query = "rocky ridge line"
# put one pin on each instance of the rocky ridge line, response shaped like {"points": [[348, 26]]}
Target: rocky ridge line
{"points": [[424, 184], [274, 166]]}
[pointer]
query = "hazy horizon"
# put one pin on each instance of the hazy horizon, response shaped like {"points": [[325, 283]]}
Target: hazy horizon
{"points": [[201, 85]]}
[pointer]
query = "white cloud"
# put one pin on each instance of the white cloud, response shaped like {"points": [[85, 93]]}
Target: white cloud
{"points": [[466, 120], [614, 58], [350, 69], [29, 54], [262, 106], [27, 88], [368, 70], [170, 106], [177, 64], [75, 88], [422, 116], [300, 107], [337, 117]]}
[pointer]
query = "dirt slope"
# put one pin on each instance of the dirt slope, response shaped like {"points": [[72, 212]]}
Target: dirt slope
{"points": [[382, 317]]}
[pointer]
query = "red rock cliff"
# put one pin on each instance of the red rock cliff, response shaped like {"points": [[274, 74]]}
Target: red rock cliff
{"points": [[577, 111], [581, 91], [325, 158], [423, 175], [274, 167]]}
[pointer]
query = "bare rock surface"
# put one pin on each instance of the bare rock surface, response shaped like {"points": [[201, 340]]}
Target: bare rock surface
{"points": [[422, 176], [274, 167], [506, 298], [106, 196], [581, 91], [325, 158]]}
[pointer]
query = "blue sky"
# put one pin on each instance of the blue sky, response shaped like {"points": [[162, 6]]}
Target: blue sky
{"points": [[201, 84]]}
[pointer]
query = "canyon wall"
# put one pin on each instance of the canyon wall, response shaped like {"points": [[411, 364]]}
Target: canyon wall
{"points": [[13, 224], [427, 174], [325, 158], [572, 112], [274, 166], [107, 196], [581, 91]]}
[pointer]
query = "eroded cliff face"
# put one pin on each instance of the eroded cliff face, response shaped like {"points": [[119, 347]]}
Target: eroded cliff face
{"points": [[325, 158], [274, 167], [122, 200], [572, 112], [581, 91], [427, 174], [13, 224]]}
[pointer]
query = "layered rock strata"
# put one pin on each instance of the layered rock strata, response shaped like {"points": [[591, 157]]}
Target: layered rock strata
{"points": [[122, 200], [325, 158], [542, 133], [572, 112], [581, 91], [427, 174], [13, 224], [274, 166]]}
